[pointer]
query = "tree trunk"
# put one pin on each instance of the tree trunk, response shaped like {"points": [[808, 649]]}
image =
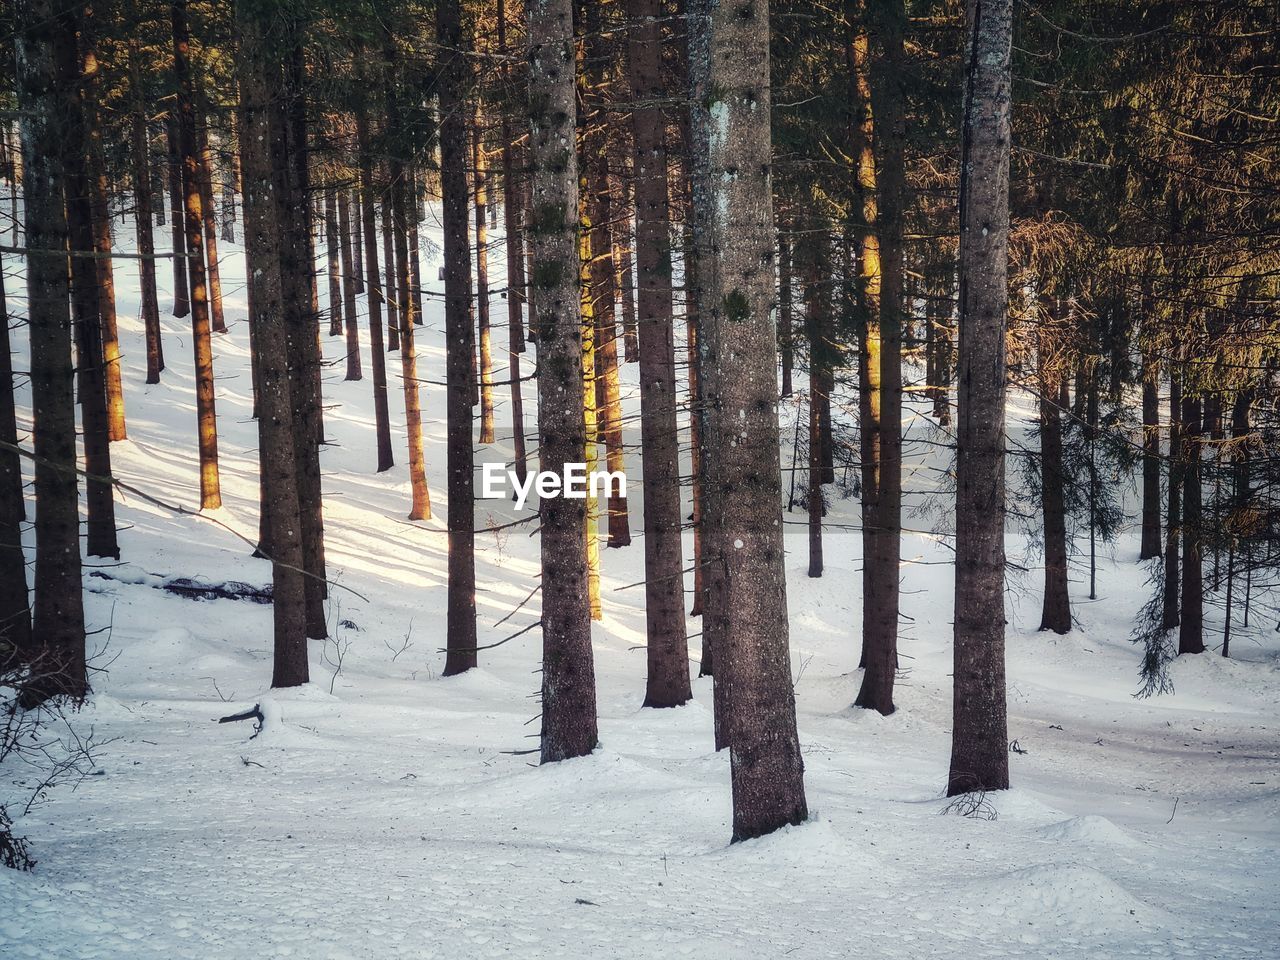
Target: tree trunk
{"points": [[1056, 609], [880, 619], [1191, 622], [15, 605], [741, 468], [206, 415], [1173, 528], [668, 649], [786, 332], [568, 673], [392, 287], [214, 269], [979, 736], [181, 286], [48, 78], [100, 212], [1150, 459], [349, 313], [302, 312], [861, 135], [511, 207], [332, 262], [459, 340], [377, 352], [357, 240], [142, 222], [402, 203], [481, 175], [267, 193]]}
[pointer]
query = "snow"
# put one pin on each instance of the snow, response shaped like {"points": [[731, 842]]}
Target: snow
{"points": [[387, 812]]}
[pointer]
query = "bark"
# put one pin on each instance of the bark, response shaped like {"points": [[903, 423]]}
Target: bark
{"points": [[402, 211], [459, 341], [1171, 611], [861, 136], [206, 414], [568, 673], [100, 212], [357, 240], [142, 222], [267, 193], [332, 262], [213, 270], [1150, 459], [181, 285], [88, 305], [481, 175], [816, 322], [392, 295], [786, 339], [15, 604], [742, 472], [511, 207], [979, 737], [1191, 621], [47, 79], [377, 352], [411, 204], [302, 317], [880, 617], [1056, 609], [349, 289], [668, 652]]}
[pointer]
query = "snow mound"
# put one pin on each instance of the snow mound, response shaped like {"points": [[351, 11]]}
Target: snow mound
{"points": [[1088, 829], [1060, 895]]}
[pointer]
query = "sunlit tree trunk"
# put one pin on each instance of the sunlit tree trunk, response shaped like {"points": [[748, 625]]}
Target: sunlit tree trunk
{"points": [[213, 272], [206, 415], [568, 672], [480, 173], [332, 262], [47, 78], [979, 736]]}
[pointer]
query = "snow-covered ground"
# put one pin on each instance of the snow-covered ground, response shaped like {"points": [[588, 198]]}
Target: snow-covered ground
{"points": [[387, 812]]}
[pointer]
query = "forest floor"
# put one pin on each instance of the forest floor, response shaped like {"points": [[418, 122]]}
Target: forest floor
{"points": [[387, 812]]}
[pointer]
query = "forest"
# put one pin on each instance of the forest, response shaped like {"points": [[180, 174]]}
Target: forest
{"points": [[622, 478]]}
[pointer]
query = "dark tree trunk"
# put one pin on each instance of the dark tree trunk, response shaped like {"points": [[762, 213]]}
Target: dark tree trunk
{"points": [[302, 316], [979, 736], [411, 204], [1191, 622], [206, 415], [357, 239], [47, 78], [786, 332], [391, 297], [267, 213], [181, 286], [15, 604], [668, 648], [568, 672], [349, 313], [332, 262], [1150, 460], [142, 223], [459, 341], [742, 472], [1056, 609], [377, 352], [1173, 529]]}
